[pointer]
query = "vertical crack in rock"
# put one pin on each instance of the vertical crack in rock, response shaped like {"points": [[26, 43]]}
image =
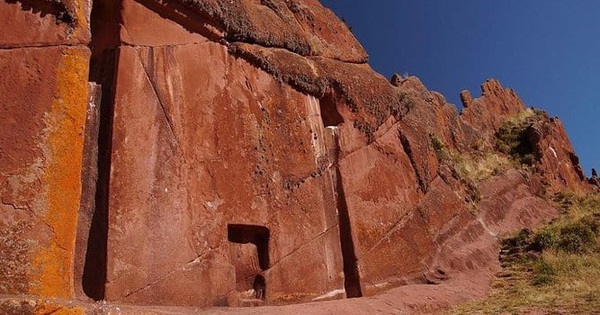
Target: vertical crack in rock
{"points": [[92, 231], [94, 203], [407, 148], [351, 274]]}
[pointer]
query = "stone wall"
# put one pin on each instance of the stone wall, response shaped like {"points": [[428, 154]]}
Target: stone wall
{"points": [[241, 154]]}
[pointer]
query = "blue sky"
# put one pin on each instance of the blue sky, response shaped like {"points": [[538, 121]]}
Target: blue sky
{"points": [[547, 50]]}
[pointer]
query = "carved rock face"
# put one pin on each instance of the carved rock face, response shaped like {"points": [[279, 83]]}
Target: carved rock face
{"points": [[198, 149], [240, 153]]}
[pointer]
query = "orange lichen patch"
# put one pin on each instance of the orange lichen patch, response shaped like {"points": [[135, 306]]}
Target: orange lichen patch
{"points": [[53, 264], [81, 10], [43, 308]]}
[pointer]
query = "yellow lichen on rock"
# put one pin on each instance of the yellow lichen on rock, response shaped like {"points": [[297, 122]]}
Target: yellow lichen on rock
{"points": [[82, 10], [53, 264]]}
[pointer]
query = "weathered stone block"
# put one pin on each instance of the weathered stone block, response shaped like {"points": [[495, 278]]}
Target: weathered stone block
{"points": [[40, 166]]}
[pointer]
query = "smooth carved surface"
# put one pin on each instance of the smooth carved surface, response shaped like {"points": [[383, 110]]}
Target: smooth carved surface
{"points": [[229, 156]]}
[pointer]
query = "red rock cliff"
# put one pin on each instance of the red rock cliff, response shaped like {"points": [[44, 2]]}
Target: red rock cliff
{"points": [[243, 153]]}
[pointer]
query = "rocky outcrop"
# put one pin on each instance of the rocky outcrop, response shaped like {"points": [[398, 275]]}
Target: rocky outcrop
{"points": [[486, 113], [243, 154], [595, 180], [556, 159]]}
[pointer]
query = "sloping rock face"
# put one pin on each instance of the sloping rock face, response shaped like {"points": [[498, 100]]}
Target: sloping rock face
{"points": [[241, 153]]}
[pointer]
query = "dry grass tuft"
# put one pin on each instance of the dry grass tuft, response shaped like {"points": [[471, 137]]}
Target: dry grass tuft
{"points": [[479, 168], [555, 270], [512, 139]]}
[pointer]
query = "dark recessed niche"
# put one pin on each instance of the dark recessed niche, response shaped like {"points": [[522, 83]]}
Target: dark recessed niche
{"points": [[260, 287], [255, 234], [329, 113]]}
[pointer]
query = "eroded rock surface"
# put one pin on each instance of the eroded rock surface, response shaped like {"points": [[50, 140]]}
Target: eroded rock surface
{"points": [[44, 64], [242, 153]]}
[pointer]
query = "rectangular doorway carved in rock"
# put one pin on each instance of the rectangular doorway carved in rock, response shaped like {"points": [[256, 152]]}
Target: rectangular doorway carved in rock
{"points": [[250, 256]]}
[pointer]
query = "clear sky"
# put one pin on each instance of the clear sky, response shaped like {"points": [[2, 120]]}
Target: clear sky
{"points": [[547, 50]]}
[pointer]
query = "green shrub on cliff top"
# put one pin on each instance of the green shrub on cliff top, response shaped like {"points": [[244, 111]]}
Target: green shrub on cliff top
{"points": [[511, 137]]}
